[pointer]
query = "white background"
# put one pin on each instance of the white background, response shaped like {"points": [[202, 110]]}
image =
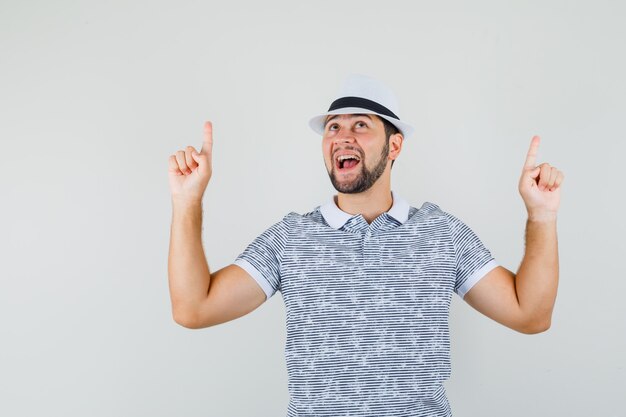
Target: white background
{"points": [[95, 96]]}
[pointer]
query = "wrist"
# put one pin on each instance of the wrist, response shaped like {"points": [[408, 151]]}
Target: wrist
{"points": [[542, 216], [183, 202]]}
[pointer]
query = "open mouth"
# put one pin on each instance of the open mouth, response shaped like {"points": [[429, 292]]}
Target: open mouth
{"points": [[347, 162]]}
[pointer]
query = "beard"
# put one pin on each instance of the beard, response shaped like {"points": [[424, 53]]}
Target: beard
{"points": [[364, 179]]}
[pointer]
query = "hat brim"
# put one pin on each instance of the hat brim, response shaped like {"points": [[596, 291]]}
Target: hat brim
{"points": [[317, 122]]}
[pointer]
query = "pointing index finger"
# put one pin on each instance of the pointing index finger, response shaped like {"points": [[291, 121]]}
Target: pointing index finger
{"points": [[207, 143], [532, 153]]}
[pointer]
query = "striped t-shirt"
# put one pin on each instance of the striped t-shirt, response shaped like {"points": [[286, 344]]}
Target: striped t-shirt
{"points": [[367, 305]]}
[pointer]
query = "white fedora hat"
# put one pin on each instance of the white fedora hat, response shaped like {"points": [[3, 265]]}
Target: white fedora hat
{"points": [[363, 94]]}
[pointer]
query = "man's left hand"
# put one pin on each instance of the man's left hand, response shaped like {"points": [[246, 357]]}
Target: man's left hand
{"points": [[539, 186]]}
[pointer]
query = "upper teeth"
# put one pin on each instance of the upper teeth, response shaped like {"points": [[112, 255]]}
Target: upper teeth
{"points": [[344, 157]]}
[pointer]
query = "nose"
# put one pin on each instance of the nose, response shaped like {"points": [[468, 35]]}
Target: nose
{"points": [[344, 135]]}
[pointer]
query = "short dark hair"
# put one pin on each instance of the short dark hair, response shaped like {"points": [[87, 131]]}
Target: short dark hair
{"points": [[390, 129]]}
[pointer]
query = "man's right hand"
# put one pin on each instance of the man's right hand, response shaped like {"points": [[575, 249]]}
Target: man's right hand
{"points": [[190, 171]]}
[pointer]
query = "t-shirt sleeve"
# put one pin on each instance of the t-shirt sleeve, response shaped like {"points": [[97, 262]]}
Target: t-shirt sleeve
{"points": [[473, 259], [263, 256]]}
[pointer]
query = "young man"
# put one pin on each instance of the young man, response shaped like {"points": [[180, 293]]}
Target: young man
{"points": [[366, 278]]}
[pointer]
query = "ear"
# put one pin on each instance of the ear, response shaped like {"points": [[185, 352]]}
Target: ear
{"points": [[395, 144]]}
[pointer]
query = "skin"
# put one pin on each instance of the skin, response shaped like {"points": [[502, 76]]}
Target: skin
{"points": [[367, 188], [523, 302]]}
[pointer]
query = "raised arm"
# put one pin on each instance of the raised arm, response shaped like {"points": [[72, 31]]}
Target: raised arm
{"points": [[201, 298], [525, 301]]}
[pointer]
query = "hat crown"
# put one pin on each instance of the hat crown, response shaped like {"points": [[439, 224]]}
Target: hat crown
{"points": [[359, 85], [360, 93]]}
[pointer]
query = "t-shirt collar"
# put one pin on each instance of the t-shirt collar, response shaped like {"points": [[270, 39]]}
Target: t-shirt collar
{"points": [[335, 217]]}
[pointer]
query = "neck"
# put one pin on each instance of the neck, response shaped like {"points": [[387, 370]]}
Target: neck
{"points": [[370, 203]]}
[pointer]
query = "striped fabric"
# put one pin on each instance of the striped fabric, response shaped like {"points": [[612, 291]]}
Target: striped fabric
{"points": [[367, 305]]}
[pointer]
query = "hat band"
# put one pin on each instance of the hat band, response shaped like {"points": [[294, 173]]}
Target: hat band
{"points": [[363, 103]]}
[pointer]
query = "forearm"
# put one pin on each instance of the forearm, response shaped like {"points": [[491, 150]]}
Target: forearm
{"points": [[188, 270], [537, 278]]}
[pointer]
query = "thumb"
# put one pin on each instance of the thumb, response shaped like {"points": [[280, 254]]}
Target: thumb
{"points": [[535, 172]]}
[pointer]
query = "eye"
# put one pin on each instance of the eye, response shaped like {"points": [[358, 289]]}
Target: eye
{"points": [[361, 122], [330, 127]]}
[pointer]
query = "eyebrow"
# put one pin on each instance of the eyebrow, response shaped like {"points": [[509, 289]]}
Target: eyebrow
{"points": [[351, 117]]}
